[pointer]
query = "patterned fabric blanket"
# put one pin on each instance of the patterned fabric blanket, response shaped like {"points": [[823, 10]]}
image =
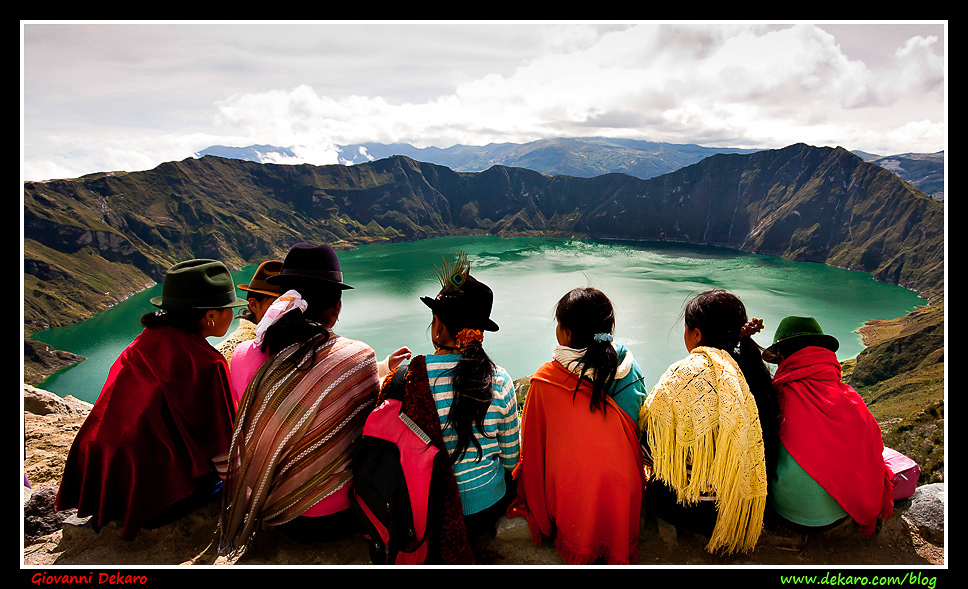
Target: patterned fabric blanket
{"points": [[297, 423]]}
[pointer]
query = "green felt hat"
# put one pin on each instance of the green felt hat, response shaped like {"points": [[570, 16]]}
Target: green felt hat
{"points": [[804, 331], [198, 284]]}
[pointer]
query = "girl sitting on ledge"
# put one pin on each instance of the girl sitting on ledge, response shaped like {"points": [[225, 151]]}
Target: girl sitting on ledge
{"points": [[580, 478], [146, 453], [476, 405], [702, 428]]}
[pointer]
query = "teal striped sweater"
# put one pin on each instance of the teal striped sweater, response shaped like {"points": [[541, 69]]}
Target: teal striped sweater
{"points": [[481, 484]]}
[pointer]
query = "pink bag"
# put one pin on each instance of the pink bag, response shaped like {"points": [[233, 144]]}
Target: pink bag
{"points": [[397, 472], [905, 470]]}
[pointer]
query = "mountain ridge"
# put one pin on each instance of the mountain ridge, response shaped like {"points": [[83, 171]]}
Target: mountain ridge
{"points": [[118, 232], [925, 171], [583, 157]]}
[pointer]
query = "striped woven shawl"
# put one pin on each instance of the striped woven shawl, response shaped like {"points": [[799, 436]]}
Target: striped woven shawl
{"points": [[294, 433]]}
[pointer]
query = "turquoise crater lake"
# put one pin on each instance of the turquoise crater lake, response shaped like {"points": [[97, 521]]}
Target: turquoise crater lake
{"points": [[648, 283]]}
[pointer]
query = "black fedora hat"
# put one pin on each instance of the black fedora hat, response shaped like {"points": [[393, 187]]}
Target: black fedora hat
{"points": [[312, 263], [198, 284], [467, 306]]}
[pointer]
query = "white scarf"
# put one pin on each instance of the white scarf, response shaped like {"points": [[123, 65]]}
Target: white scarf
{"points": [[289, 301], [570, 358]]}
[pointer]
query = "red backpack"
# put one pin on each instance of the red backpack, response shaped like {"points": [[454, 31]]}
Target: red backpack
{"points": [[396, 480]]}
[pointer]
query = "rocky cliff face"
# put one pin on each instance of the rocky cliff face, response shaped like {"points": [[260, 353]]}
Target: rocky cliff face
{"points": [[90, 242]]}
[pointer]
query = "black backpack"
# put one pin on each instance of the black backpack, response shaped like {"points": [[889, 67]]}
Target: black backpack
{"points": [[396, 482]]}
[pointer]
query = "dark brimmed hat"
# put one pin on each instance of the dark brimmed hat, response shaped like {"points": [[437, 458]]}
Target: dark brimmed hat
{"points": [[258, 283], [801, 331], [470, 306], [198, 284], [313, 263]]}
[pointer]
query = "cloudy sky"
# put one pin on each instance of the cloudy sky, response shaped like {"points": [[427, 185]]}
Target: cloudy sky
{"points": [[130, 95]]}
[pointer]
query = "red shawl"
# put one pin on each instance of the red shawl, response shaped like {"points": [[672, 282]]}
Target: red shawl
{"points": [[164, 413], [826, 426], [580, 475]]}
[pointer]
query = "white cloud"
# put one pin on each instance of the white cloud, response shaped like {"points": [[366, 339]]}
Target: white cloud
{"points": [[312, 87], [919, 69], [73, 155], [751, 85]]}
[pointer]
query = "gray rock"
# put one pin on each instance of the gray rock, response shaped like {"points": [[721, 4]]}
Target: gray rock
{"points": [[77, 529], [926, 513], [40, 517], [41, 402]]}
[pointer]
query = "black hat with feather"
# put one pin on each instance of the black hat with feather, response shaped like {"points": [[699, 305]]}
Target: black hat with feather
{"points": [[463, 301]]}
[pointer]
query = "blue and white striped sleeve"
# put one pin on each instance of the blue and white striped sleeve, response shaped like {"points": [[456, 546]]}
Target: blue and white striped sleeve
{"points": [[508, 433]]}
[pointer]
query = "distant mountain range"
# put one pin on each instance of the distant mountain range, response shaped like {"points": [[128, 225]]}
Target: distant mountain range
{"points": [[924, 171], [581, 157], [584, 158]]}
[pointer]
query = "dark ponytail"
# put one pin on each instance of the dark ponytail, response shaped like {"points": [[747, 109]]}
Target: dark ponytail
{"points": [[720, 316], [472, 379], [588, 314]]}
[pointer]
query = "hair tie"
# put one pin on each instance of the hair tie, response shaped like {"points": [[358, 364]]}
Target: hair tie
{"points": [[467, 335], [289, 301], [602, 337]]}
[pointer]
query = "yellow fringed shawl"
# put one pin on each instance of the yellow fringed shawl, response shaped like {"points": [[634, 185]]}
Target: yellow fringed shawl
{"points": [[702, 415]]}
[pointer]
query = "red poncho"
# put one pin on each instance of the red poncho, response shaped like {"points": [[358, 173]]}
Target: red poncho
{"points": [[826, 426], [164, 413], [580, 475]]}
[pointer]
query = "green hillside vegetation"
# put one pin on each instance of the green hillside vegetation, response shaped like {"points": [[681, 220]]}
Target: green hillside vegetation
{"points": [[900, 376], [93, 241]]}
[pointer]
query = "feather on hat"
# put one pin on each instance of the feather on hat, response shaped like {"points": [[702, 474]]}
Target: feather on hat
{"points": [[463, 301]]}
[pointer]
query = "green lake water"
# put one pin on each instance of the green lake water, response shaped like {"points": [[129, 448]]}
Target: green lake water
{"points": [[648, 283]]}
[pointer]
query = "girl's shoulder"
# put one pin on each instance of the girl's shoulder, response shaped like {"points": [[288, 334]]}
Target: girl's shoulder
{"points": [[718, 359], [502, 386], [620, 349], [441, 361], [441, 358], [501, 376], [695, 363], [175, 340], [349, 346]]}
